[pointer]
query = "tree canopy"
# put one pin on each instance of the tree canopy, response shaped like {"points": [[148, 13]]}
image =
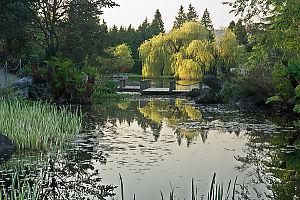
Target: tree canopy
{"points": [[188, 53], [191, 14], [119, 60], [157, 25], [181, 18], [206, 21]]}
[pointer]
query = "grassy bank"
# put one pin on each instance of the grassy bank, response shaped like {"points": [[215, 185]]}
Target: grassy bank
{"points": [[37, 125]]}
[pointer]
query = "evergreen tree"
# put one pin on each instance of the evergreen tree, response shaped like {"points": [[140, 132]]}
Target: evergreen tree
{"points": [[181, 18], [15, 24], [144, 30], [231, 25], [157, 25], [192, 14], [82, 34], [241, 33], [206, 21]]}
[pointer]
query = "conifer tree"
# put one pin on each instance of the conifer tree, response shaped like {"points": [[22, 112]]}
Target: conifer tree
{"points": [[192, 14], [181, 18], [206, 21], [157, 25], [144, 26], [231, 25], [241, 33]]}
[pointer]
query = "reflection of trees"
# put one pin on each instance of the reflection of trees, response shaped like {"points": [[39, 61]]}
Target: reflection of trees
{"points": [[66, 174], [147, 113], [175, 114], [277, 162]]}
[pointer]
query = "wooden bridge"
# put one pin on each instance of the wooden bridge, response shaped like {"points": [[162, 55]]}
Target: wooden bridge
{"points": [[145, 88]]}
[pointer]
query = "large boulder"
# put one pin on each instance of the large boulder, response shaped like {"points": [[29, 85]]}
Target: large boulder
{"points": [[207, 96], [22, 83], [6, 149], [194, 92], [214, 83]]}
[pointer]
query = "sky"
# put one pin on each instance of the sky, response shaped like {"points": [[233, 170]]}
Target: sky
{"points": [[134, 12]]}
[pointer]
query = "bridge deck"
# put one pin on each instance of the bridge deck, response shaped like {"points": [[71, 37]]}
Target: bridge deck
{"points": [[162, 91], [152, 91]]}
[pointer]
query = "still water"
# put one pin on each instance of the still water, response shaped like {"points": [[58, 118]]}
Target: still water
{"points": [[160, 144]]}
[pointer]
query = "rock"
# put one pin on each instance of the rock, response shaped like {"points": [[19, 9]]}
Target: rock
{"points": [[6, 149], [248, 101], [214, 83], [194, 93], [207, 96], [22, 83]]}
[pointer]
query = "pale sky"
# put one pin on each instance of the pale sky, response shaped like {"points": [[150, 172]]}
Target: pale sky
{"points": [[135, 11]]}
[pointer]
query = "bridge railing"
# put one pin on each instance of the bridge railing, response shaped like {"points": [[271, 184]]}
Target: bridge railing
{"points": [[145, 84], [7, 67]]}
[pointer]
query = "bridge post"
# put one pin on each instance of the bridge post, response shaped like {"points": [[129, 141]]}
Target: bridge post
{"points": [[200, 85], [5, 73], [122, 84], [172, 86], [142, 86], [147, 84], [20, 71]]}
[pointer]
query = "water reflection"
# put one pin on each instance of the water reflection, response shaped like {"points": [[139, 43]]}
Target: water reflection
{"points": [[248, 148], [154, 141]]}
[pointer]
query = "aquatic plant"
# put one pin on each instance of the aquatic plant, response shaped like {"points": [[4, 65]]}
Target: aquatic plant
{"points": [[21, 191], [37, 125], [216, 191]]}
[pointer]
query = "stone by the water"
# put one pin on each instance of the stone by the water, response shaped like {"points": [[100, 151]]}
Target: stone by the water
{"points": [[7, 149]]}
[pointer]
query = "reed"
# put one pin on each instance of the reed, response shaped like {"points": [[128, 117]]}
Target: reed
{"points": [[37, 125], [21, 191], [216, 191]]}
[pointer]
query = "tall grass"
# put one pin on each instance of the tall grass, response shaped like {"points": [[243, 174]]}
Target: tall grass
{"points": [[21, 191], [216, 191], [37, 125]]}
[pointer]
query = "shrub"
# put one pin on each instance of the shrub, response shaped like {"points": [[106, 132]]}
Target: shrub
{"points": [[67, 82]]}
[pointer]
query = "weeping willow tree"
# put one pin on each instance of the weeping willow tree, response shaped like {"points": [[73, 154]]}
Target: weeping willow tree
{"points": [[159, 53], [187, 52], [202, 52], [228, 50], [153, 56]]}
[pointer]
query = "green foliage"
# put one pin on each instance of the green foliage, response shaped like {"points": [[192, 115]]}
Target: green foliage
{"points": [[257, 82], [82, 35], [191, 15], [165, 54], [241, 33], [180, 19], [119, 60], [68, 82], [206, 21], [231, 25], [157, 25], [228, 51], [272, 99], [15, 36], [188, 53], [275, 40], [37, 125]]}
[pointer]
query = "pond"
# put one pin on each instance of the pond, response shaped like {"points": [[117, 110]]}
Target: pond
{"points": [[159, 144]]}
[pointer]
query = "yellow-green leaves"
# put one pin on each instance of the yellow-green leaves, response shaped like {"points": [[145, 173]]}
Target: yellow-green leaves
{"points": [[121, 59], [201, 52], [165, 54], [228, 50], [188, 53]]}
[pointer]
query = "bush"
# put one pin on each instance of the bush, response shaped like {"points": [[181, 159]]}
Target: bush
{"points": [[257, 82], [66, 81]]}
